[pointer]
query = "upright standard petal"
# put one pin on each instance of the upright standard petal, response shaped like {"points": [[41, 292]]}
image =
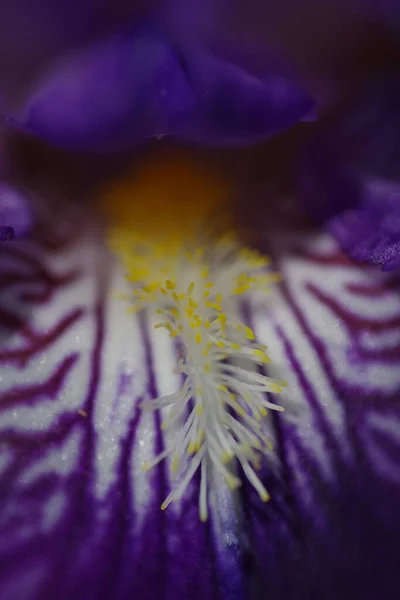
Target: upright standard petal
{"points": [[138, 85], [236, 107], [111, 95]]}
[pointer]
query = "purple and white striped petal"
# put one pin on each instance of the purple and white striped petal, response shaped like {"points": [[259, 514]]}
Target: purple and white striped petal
{"points": [[332, 527], [78, 516]]}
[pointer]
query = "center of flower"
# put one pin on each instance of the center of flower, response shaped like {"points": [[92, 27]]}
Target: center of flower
{"points": [[192, 280]]}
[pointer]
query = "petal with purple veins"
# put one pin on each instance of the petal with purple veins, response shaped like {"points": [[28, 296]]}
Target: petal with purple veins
{"points": [[74, 498], [79, 517], [331, 528]]}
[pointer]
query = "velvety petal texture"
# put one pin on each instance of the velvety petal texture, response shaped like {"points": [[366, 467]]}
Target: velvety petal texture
{"points": [[370, 232], [79, 518], [139, 85], [350, 176]]}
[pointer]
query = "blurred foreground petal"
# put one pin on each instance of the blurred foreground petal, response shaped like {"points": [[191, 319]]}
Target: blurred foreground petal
{"points": [[138, 86], [235, 107], [110, 95]]}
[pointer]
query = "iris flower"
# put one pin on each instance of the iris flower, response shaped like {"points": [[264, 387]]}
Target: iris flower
{"points": [[304, 503]]}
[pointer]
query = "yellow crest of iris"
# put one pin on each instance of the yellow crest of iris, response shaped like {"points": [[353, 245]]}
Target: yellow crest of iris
{"points": [[167, 196], [170, 226]]}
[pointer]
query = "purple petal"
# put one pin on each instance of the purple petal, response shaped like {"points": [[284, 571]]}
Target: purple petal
{"points": [[363, 213], [15, 212], [331, 528], [370, 232], [137, 86], [79, 517], [236, 107], [348, 179], [112, 94]]}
